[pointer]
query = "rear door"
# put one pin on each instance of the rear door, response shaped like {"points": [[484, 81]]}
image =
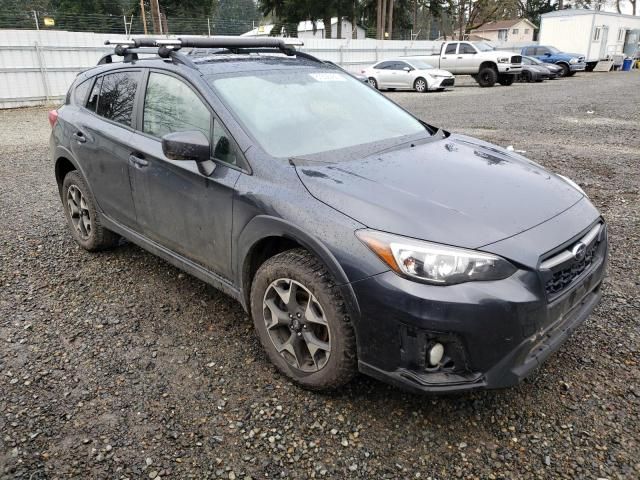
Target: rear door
{"points": [[448, 59], [179, 206], [467, 58], [102, 139], [384, 73]]}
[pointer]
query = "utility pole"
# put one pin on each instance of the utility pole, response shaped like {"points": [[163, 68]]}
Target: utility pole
{"points": [[144, 17], [390, 20], [155, 16]]}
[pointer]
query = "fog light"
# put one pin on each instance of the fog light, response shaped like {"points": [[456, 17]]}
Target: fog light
{"points": [[435, 354]]}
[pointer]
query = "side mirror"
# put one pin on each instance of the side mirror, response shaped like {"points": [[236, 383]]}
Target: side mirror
{"points": [[189, 145], [547, 54], [407, 69]]}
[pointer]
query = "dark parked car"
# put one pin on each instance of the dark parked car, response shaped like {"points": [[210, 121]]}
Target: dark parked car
{"points": [[554, 70], [357, 238], [533, 73], [570, 63]]}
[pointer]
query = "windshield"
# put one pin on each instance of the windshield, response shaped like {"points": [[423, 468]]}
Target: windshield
{"points": [[420, 64], [483, 46], [292, 114]]}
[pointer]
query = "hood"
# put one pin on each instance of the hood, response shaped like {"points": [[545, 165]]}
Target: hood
{"points": [[458, 191], [437, 72]]}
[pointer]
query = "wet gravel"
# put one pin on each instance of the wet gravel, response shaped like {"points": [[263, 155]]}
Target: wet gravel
{"points": [[117, 365]]}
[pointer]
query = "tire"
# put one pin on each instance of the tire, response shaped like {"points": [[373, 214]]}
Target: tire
{"points": [[487, 77], [420, 85], [565, 69], [571, 74], [506, 80], [526, 76], [327, 321], [373, 82], [82, 216]]}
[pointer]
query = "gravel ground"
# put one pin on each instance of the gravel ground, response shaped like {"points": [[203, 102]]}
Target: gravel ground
{"points": [[117, 365]]}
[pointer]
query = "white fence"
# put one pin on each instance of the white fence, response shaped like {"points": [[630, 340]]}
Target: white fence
{"points": [[37, 67]]}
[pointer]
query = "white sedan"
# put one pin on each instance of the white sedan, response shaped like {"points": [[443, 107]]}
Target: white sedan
{"points": [[408, 73]]}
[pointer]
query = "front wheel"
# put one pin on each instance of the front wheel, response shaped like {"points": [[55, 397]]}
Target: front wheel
{"points": [[302, 321], [420, 85], [373, 83], [526, 76], [571, 74], [506, 80], [566, 71], [487, 77]]}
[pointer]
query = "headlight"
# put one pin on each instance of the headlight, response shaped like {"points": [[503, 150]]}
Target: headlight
{"points": [[503, 60], [432, 262], [573, 184], [573, 60]]}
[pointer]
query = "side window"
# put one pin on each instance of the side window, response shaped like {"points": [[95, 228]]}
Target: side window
{"points": [[383, 66], [95, 93], [117, 96], [466, 48], [80, 92], [399, 65], [170, 105], [541, 50], [223, 149], [451, 49]]}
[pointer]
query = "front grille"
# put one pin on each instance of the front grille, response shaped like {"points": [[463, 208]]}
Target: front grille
{"points": [[516, 59], [561, 269], [447, 82]]}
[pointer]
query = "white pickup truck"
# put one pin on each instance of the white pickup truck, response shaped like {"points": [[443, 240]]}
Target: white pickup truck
{"points": [[478, 59]]}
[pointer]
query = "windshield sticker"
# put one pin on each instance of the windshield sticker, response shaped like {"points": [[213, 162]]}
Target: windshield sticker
{"points": [[327, 77]]}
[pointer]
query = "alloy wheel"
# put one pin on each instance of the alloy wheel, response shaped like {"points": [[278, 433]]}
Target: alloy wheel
{"points": [[296, 325], [79, 211], [421, 85]]}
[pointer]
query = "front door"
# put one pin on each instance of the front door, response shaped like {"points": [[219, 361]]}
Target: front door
{"points": [[179, 206], [467, 58], [604, 37], [103, 137]]}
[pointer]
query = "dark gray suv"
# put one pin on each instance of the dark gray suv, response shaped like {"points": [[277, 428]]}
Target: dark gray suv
{"points": [[357, 236]]}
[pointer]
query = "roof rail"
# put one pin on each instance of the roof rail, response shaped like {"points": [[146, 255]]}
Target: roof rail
{"points": [[168, 48]]}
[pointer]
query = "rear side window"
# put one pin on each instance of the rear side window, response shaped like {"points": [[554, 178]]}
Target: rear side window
{"points": [[451, 48], [81, 91], [117, 96], [383, 65], [170, 105]]}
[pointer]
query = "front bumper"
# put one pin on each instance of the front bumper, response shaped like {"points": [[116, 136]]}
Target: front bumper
{"points": [[577, 67], [440, 83], [512, 68], [494, 333]]}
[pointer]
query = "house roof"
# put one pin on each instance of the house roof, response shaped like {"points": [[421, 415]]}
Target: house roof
{"points": [[502, 25]]}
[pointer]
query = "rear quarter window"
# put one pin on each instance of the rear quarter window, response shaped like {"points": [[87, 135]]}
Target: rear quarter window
{"points": [[79, 96]]}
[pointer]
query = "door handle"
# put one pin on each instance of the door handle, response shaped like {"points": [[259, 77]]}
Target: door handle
{"points": [[459, 57], [444, 58], [79, 136], [137, 161]]}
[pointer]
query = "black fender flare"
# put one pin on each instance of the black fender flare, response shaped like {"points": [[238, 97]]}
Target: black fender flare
{"points": [[61, 151], [264, 226]]}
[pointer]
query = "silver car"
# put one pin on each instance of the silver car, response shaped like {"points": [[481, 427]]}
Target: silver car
{"points": [[408, 73]]}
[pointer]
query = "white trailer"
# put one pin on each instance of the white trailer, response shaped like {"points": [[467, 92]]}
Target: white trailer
{"points": [[596, 35]]}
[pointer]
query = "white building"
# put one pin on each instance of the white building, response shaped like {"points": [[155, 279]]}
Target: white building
{"points": [[518, 30], [305, 30], [595, 34]]}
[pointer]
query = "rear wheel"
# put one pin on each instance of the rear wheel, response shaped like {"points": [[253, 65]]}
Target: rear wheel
{"points": [[420, 85], [302, 321], [82, 216], [373, 82], [487, 77]]}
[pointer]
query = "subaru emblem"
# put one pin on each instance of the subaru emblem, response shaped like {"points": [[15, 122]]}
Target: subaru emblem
{"points": [[579, 250]]}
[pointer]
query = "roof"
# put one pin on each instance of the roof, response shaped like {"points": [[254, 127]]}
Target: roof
{"points": [[570, 12], [502, 25]]}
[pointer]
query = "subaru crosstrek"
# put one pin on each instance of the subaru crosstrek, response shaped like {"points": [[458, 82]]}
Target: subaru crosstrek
{"points": [[357, 236]]}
